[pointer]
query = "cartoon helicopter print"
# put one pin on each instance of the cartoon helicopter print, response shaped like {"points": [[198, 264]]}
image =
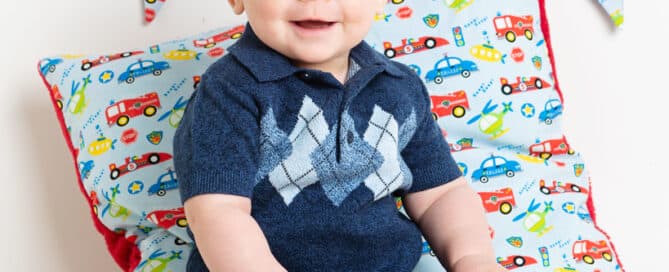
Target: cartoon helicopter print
{"points": [[458, 5], [77, 102], [490, 122], [115, 209], [535, 221], [176, 113], [155, 264]]}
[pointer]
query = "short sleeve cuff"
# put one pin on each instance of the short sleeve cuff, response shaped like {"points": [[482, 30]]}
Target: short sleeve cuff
{"points": [[434, 174], [204, 182]]}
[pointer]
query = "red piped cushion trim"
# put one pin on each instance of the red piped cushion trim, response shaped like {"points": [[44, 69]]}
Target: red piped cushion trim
{"points": [[591, 206], [123, 250]]}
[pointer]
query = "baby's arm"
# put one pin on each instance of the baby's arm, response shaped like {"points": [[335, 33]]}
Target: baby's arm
{"points": [[228, 238], [453, 222]]}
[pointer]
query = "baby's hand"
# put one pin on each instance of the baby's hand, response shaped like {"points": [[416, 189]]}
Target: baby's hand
{"points": [[475, 263]]}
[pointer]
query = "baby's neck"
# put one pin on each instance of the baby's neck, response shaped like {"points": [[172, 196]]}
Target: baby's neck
{"points": [[337, 66]]}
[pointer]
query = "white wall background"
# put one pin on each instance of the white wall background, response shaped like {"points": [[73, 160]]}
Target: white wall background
{"points": [[614, 85]]}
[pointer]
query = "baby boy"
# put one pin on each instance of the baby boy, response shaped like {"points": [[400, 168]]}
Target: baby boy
{"points": [[294, 145]]}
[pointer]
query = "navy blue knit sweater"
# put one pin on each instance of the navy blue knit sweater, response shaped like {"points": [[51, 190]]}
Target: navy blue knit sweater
{"points": [[320, 160]]}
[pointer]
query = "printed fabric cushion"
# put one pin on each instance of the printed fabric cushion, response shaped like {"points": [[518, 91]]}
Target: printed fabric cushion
{"points": [[487, 68]]}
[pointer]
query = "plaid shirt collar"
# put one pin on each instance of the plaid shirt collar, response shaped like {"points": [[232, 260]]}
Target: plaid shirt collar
{"points": [[266, 64]]}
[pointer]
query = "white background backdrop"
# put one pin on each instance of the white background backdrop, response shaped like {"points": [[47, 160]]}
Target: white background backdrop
{"points": [[614, 84]]}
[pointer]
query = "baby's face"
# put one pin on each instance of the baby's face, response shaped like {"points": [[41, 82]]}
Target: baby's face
{"points": [[310, 31]]}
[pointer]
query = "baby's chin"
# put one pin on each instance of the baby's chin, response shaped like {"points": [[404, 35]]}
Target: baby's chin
{"points": [[314, 55]]}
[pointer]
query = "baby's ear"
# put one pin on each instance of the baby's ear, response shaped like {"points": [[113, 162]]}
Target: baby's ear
{"points": [[237, 6]]}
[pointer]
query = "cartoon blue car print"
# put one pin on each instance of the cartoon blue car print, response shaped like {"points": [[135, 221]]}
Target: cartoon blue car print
{"points": [[450, 66], [165, 182], [495, 166], [85, 168], [552, 109], [49, 65], [143, 67]]}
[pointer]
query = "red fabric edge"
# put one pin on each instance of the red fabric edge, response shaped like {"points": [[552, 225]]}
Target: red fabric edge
{"points": [[590, 204], [124, 251]]}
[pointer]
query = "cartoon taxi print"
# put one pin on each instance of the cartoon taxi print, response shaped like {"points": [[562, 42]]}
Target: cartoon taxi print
{"points": [[410, 46], [589, 251], [454, 103], [133, 163], [87, 64], [234, 33], [522, 84], [510, 27], [515, 261], [552, 109], [168, 218], [548, 148], [450, 66], [120, 112], [560, 188], [141, 68], [495, 166], [501, 200]]}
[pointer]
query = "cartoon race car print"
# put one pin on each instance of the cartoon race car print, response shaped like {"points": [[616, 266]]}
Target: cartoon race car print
{"points": [[210, 42], [454, 103], [55, 92], [560, 187], [589, 251], [87, 64], [120, 112], [410, 46], [501, 200], [133, 163], [548, 148], [141, 68], [450, 66], [510, 27], [515, 261], [168, 218], [522, 84], [495, 166]]}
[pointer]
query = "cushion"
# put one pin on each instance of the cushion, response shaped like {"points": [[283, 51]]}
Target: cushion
{"points": [[489, 72]]}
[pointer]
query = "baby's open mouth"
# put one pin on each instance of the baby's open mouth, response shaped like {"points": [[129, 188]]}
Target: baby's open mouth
{"points": [[313, 24]]}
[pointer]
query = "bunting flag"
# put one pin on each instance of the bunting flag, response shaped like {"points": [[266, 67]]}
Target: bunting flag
{"points": [[615, 9], [151, 8]]}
